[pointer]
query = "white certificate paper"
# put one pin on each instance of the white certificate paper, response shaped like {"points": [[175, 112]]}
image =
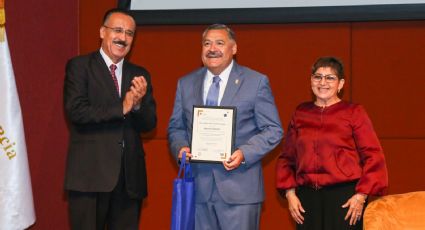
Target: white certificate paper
{"points": [[213, 133]]}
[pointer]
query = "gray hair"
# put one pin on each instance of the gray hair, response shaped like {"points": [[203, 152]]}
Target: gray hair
{"points": [[229, 31]]}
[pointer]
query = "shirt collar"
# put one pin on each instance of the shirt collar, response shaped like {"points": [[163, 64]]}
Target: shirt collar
{"points": [[109, 62], [224, 76]]}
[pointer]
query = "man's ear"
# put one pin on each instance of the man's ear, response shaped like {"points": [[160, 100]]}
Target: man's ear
{"points": [[102, 32], [234, 48]]}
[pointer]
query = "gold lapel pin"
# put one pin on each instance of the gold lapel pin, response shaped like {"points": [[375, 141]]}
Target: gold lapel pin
{"points": [[237, 81]]}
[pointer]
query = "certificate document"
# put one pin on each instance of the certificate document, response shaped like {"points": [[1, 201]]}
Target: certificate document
{"points": [[213, 133]]}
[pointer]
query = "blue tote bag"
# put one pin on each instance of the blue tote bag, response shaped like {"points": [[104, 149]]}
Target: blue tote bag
{"points": [[183, 207]]}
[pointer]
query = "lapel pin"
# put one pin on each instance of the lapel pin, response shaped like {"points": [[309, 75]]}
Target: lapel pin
{"points": [[237, 81]]}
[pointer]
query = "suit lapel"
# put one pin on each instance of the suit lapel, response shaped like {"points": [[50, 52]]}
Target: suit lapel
{"points": [[102, 72], [198, 87], [233, 85], [126, 79]]}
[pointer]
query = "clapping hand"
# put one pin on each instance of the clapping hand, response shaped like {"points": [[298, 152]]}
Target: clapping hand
{"points": [[134, 96]]}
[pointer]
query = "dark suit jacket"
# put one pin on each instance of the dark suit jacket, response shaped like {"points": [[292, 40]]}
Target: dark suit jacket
{"points": [[100, 136]]}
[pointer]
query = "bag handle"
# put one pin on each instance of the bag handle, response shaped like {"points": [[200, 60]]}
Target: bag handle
{"points": [[186, 165]]}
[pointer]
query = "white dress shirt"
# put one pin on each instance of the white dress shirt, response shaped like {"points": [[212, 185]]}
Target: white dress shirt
{"points": [[118, 71], [224, 77]]}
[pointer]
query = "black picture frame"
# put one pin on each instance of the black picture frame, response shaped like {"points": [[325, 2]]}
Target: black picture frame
{"points": [[278, 15]]}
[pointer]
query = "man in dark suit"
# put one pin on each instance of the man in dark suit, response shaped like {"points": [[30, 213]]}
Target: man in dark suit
{"points": [[228, 195], [108, 102]]}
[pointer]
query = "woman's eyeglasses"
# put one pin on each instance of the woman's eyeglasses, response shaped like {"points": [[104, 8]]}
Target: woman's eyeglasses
{"points": [[329, 78]]}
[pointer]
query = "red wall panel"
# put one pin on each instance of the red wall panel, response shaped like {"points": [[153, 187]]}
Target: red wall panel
{"points": [[389, 76], [42, 36], [405, 161]]}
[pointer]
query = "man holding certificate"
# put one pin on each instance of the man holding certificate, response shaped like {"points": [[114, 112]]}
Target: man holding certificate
{"points": [[226, 120]]}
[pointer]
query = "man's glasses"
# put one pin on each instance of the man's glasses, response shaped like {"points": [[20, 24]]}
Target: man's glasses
{"points": [[329, 78], [119, 30]]}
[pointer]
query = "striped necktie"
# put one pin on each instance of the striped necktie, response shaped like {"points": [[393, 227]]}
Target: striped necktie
{"points": [[112, 69]]}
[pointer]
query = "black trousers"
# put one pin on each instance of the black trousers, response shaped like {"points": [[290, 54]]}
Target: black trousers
{"points": [[96, 210], [323, 209]]}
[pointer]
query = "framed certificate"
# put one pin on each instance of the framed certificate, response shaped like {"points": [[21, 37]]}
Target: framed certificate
{"points": [[213, 133]]}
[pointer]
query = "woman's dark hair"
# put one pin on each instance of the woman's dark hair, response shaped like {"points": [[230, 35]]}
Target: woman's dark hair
{"points": [[331, 62]]}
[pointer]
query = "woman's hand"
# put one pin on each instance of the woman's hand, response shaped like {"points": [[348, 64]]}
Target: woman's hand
{"points": [[355, 207], [295, 207]]}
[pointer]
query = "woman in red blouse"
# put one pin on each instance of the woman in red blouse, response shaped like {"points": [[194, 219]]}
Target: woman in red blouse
{"points": [[332, 159]]}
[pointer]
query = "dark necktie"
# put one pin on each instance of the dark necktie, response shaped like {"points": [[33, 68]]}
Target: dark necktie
{"points": [[112, 69], [212, 96]]}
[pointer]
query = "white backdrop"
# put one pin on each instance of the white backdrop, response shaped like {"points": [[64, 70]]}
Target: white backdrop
{"points": [[223, 4]]}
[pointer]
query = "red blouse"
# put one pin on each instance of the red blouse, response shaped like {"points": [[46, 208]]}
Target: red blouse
{"points": [[335, 144]]}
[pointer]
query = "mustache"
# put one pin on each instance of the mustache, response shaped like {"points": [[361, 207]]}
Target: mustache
{"points": [[120, 42], [214, 54]]}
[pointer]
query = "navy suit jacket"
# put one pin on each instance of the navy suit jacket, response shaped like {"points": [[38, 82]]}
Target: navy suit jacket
{"points": [[258, 131], [100, 136]]}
